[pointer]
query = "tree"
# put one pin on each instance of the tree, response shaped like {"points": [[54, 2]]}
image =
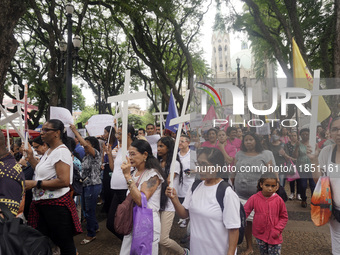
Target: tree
{"points": [[87, 113], [271, 25], [162, 35], [10, 13]]}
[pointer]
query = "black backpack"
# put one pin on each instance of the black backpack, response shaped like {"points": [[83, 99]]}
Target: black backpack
{"points": [[220, 192], [77, 181], [17, 238]]}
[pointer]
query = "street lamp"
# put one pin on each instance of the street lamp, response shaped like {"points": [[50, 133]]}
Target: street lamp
{"points": [[238, 60], [76, 45]]}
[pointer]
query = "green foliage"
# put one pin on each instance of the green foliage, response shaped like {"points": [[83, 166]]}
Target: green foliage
{"points": [[87, 113], [148, 118], [78, 100]]}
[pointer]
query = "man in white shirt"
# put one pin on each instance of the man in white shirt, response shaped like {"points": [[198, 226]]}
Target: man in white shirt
{"points": [[188, 158]]}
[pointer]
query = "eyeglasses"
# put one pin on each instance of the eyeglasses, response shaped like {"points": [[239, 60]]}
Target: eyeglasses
{"points": [[45, 130], [118, 133], [335, 129]]}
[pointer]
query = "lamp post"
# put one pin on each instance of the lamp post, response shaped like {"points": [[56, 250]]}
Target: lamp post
{"points": [[238, 60], [99, 97], [69, 62]]}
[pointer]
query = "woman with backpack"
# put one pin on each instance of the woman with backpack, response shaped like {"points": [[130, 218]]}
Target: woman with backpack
{"points": [[92, 183], [220, 226]]}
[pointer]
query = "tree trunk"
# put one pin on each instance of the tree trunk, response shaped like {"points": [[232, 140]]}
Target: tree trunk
{"points": [[337, 41], [10, 13]]}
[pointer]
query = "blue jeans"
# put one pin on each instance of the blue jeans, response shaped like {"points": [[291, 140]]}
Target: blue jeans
{"points": [[89, 199]]}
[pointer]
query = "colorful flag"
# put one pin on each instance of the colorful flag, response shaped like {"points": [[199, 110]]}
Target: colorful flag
{"points": [[304, 79], [172, 109]]}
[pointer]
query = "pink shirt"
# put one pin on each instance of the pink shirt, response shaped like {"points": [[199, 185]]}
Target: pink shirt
{"points": [[235, 143], [210, 145], [270, 217]]}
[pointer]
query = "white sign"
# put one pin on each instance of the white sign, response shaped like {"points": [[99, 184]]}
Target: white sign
{"points": [[96, 124], [64, 116]]}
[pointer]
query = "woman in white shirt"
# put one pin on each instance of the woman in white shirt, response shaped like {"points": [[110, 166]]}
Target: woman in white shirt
{"points": [[53, 211], [150, 175], [212, 231]]}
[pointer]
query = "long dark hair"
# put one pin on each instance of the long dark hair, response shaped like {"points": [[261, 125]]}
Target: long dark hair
{"points": [[151, 163], [59, 125], [258, 145], [113, 138], [265, 176], [170, 145]]}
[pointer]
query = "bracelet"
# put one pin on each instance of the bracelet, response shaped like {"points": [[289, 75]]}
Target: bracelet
{"points": [[128, 182], [39, 184]]}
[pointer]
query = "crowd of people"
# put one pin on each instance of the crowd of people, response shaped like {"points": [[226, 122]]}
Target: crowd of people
{"points": [[38, 183]]}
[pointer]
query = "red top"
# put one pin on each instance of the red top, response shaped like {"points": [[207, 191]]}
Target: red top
{"points": [[270, 217]]}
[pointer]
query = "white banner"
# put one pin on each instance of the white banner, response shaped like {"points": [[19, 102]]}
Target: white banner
{"points": [[64, 116], [97, 123]]}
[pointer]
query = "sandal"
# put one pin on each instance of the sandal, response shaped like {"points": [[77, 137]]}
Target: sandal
{"points": [[86, 241]]}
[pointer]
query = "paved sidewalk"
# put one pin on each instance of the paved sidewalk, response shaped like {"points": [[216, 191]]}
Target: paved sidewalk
{"points": [[299, 237]]}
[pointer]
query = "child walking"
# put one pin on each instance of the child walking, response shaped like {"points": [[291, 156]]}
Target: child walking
{"points": [[270, 216]]}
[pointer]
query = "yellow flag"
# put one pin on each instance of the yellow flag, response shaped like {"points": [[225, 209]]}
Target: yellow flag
{"points": [[304, 79]]}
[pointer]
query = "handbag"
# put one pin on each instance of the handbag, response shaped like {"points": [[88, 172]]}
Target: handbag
{"points": [[142, 235], [123, 221], [295, 175], [321, 203]]}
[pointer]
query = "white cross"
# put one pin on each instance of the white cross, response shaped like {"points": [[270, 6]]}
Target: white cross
{"points": [[9, 119], [161, 119], [124, 98], [180, 120], [315, 104]]}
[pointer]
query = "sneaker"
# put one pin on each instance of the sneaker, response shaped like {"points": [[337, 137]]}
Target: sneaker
{"points": [[186, 251], [299, 197], [183, 224], [304, 204], [291, 196]]}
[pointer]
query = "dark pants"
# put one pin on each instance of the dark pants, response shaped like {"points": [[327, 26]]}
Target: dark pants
{"points": [[118, 197], [56, 223], [106, 190], [89, 199], [303, 185], [292, 186]]}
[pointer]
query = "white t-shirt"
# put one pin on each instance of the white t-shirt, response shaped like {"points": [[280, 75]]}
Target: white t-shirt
{"points": [[117, 179], [188, 162], [333, 171], [155, 199], [209, 226], [45, 170], [169, 207]]}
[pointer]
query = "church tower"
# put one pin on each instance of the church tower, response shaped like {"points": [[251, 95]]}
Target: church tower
{"points": [[220, 62]]}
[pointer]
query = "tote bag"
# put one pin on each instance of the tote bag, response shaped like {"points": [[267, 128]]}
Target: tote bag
{"points": [[142, 234], [321, 204]]}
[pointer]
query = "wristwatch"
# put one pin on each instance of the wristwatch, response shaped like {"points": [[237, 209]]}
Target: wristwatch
{"points": [[39, 184], [128, 182]]}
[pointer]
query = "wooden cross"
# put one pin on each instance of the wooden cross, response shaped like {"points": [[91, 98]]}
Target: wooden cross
{"points": [[179, 120], [161, 119], [124, 98]]}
